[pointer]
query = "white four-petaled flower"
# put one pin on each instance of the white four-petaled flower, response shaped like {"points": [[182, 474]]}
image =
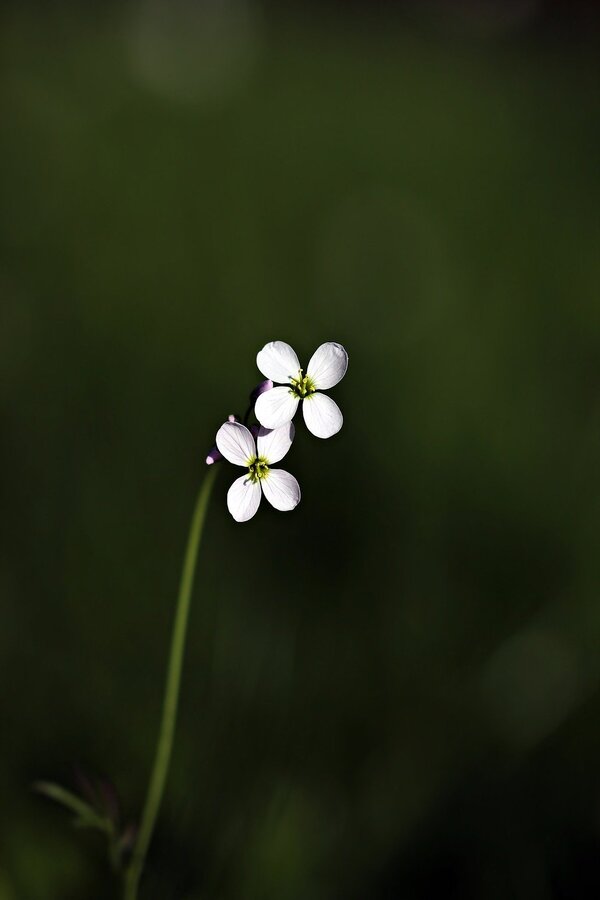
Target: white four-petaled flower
{"points": [[327, 366], [236, 443]]}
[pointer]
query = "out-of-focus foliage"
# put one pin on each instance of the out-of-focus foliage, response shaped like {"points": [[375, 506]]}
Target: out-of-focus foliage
{"points": [[393, 691]]}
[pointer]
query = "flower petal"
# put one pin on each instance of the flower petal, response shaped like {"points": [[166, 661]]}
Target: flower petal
{"points": [[243, 498], [278, 362], [281, 489], [274, 443], [276, 407], [322, 415], [327, 365], [236, 443]]}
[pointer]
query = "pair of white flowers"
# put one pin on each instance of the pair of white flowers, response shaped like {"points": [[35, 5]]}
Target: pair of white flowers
{"points": [[259, 447]]}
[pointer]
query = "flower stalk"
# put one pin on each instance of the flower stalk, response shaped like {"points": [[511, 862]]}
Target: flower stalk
{"points": [[164, 745]]}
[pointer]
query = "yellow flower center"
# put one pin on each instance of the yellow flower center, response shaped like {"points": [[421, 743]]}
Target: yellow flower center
{"points": [[258, 468], [302, 386]]}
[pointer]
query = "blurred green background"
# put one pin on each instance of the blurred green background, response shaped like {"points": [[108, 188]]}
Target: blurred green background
{"points": [[393, 692]]}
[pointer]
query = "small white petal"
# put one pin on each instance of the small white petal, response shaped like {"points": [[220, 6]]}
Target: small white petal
{"points": [[276, 407], [243, 498], [327, 365], [236, 443], [278, 362], [281, 489], [322, 415], [274, 443]]}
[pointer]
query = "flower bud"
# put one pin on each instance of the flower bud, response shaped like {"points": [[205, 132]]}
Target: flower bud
{"points": [[213, 456], [260, 389]]}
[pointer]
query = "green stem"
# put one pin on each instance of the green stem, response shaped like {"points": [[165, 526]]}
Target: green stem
{"points": [[169, 713]]}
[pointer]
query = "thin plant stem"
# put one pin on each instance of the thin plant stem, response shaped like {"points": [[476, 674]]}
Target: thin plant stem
{"points": [[164, 745]]}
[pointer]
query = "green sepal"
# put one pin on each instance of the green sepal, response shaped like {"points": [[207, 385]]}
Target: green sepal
{"points": [[85, 815]]}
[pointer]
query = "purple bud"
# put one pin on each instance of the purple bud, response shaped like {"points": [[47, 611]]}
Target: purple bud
{"points": [[232, 418], [213, 456], [260, 389]]}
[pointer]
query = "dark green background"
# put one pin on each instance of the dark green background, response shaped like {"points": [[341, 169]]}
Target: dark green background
{"points": [[392, 692]]}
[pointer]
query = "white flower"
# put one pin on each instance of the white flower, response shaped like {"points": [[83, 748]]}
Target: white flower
{"points": [[327, 366], [237, 445]]}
